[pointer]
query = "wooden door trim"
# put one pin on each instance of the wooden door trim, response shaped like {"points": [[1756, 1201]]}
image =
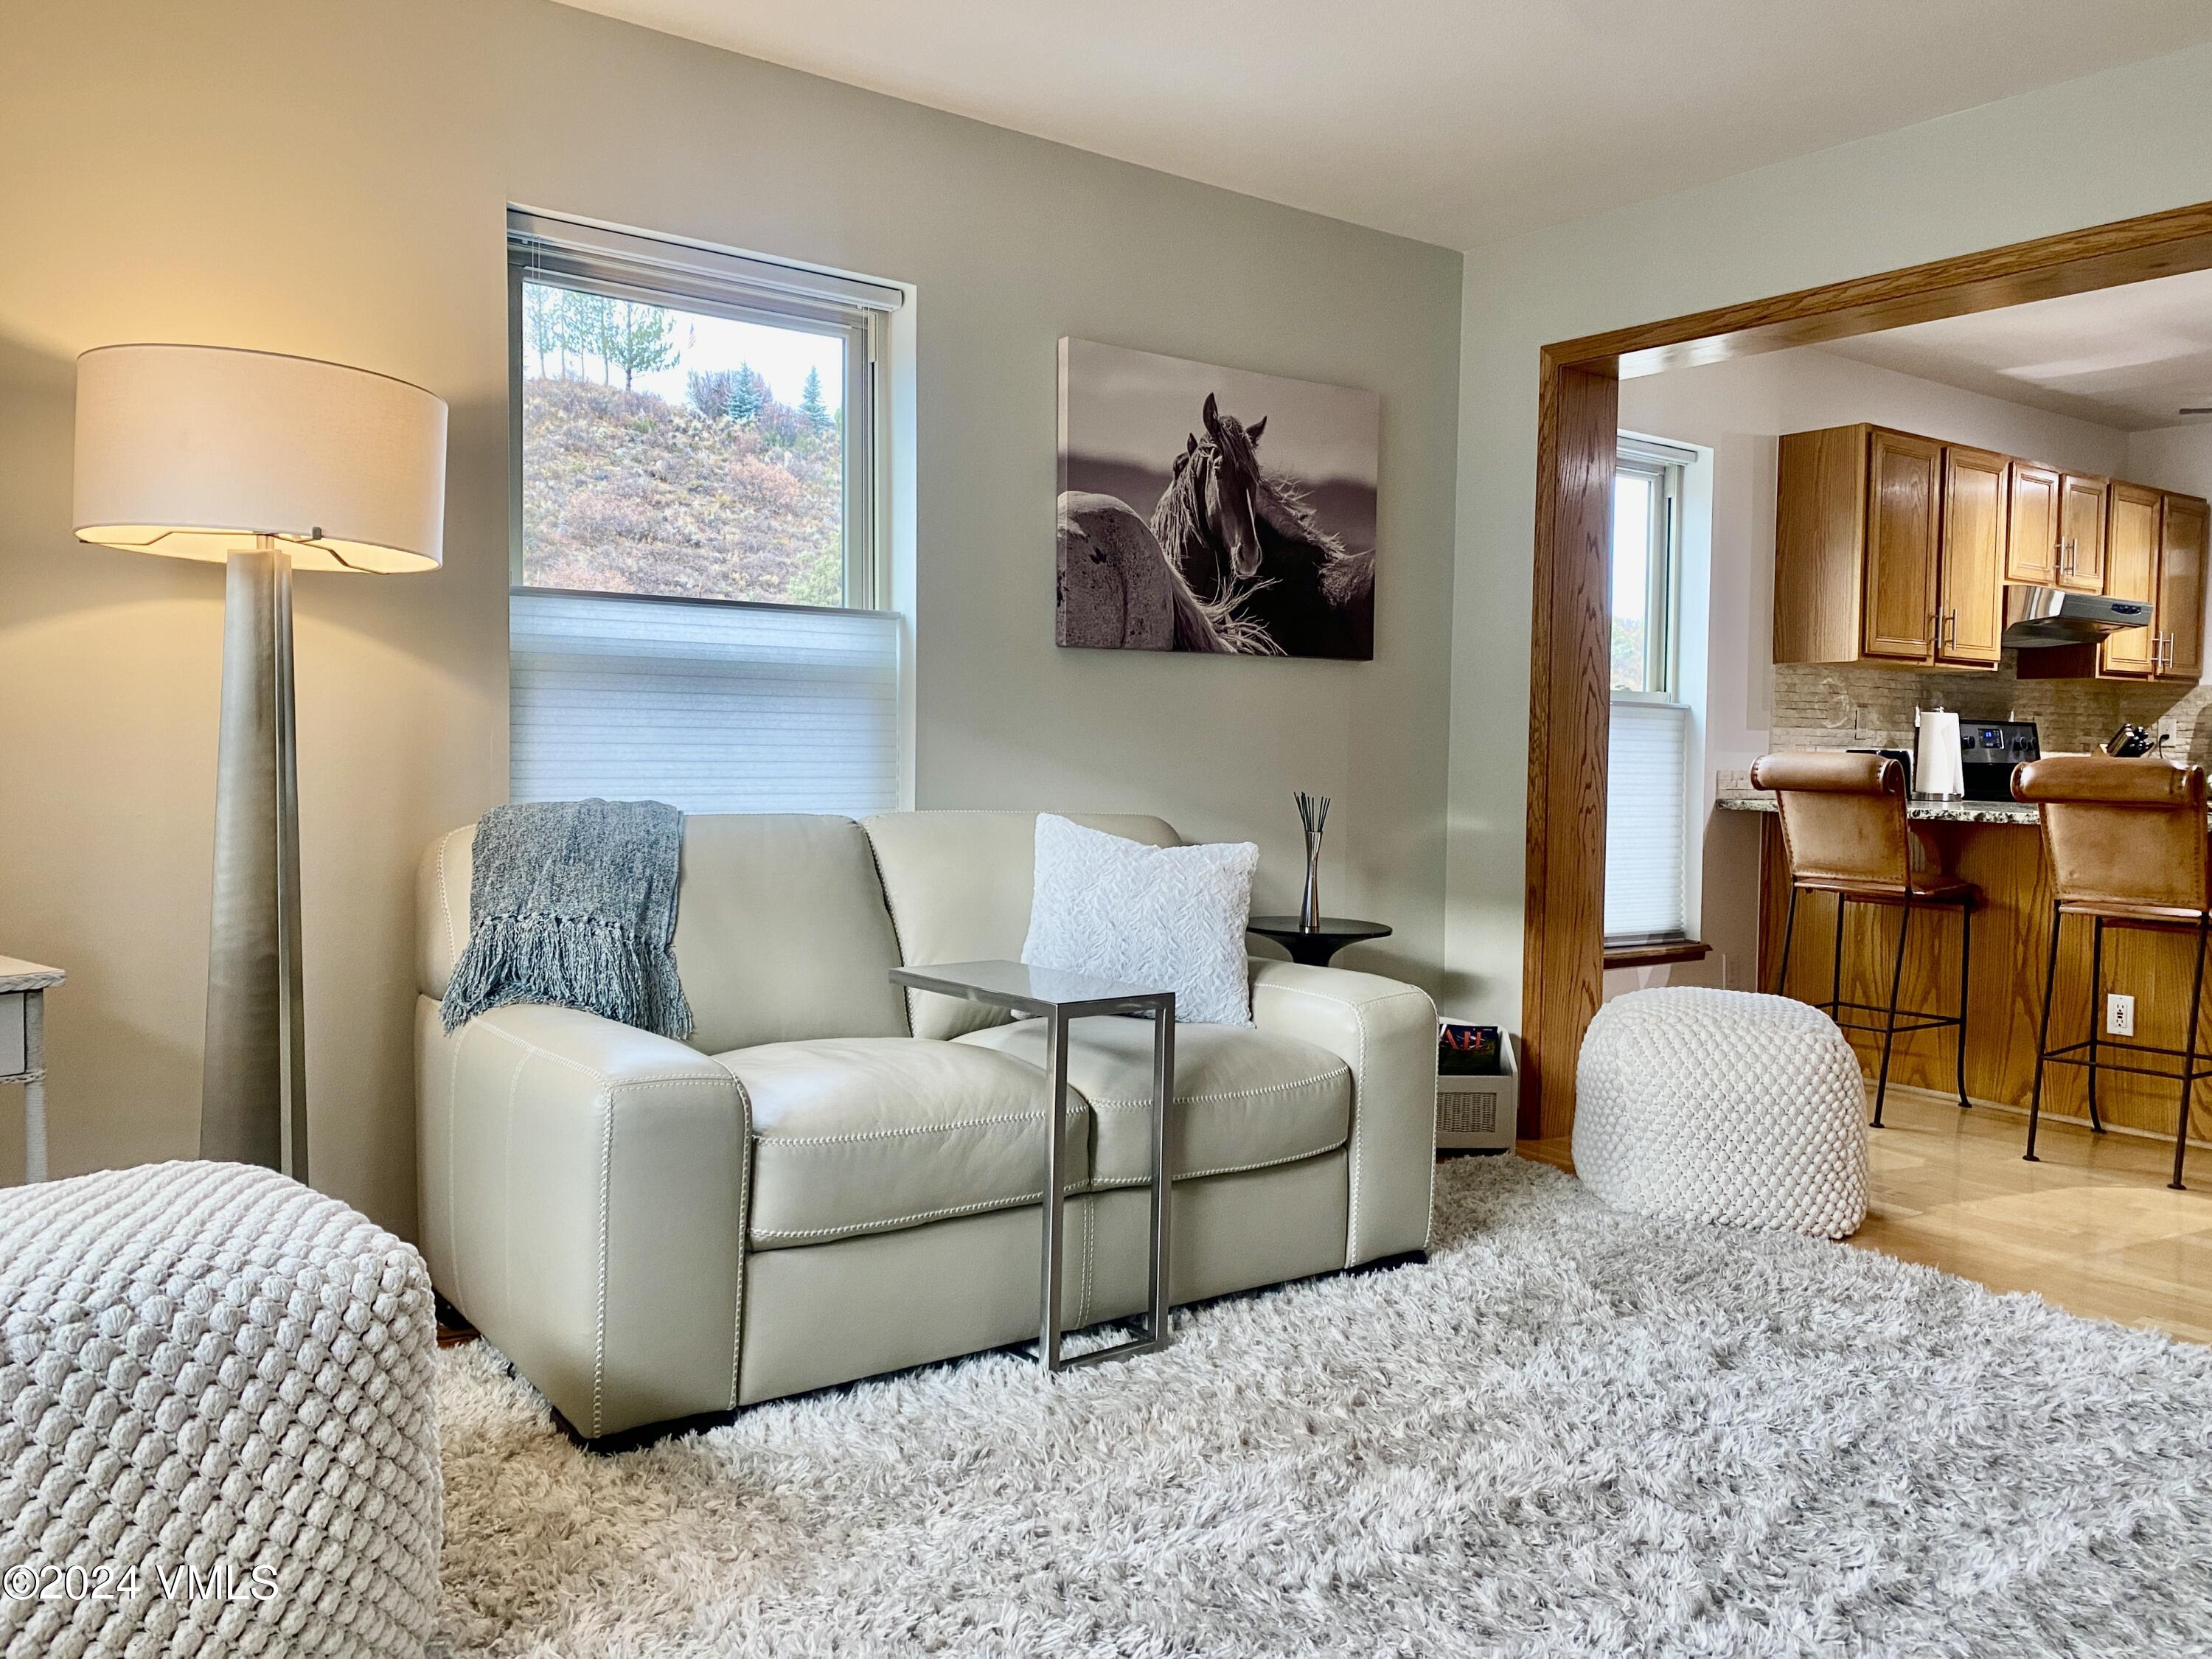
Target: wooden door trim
{"points": [[1563, 946]]}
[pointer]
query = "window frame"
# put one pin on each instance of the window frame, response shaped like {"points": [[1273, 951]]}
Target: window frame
{"points": [[1663, 466], [1667, 465], [589, 258]]}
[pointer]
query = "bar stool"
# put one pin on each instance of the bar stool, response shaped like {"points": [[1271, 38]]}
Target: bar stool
{"points": [[2128, 848], [1844, 831]]}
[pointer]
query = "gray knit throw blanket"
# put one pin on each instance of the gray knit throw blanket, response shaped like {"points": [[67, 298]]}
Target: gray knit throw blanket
{"points": [[574, 902]]}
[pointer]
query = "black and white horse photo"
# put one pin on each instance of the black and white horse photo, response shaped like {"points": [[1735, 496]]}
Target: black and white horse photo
{"points": [[1178, 533]]}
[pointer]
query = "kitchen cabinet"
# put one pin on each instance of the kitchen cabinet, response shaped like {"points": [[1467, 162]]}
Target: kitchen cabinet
{"points": [[2081, 563], [2032, 538], [2131, 539], [1864, 568], [1892, 548], [1971, 558], [1902, 524], [2180, 627]]}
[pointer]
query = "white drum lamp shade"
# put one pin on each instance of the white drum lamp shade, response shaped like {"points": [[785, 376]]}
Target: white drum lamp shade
{"points": [[193, 451], [267, 464]]}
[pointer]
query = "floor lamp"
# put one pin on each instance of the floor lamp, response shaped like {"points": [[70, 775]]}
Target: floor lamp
{"points": [[268, 464]]}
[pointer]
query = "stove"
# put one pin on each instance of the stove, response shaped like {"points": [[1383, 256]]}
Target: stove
{"points": [[1989, 750]]}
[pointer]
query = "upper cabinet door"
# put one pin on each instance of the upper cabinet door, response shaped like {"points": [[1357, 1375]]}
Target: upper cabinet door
{"points": [[1970, 611], [2031, 540], [2081, 534], [1904, 485], [2131, 573], [2181, 587]]}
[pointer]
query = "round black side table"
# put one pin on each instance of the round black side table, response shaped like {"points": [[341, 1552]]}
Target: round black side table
{"points": [[1314, 947]]}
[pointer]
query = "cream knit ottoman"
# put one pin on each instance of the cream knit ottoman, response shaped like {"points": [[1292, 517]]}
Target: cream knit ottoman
{"points": [[218, 1433], [1723, 1106]]}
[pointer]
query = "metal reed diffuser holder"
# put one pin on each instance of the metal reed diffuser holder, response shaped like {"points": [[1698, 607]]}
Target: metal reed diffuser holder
{"points": [[1312, 813]]}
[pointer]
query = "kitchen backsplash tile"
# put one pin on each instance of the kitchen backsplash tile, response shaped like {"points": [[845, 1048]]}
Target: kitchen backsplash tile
{"points": [[1821, 706]]}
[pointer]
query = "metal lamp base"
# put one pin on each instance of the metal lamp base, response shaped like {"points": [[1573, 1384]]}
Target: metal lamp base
{"points": [[253, 1085]]}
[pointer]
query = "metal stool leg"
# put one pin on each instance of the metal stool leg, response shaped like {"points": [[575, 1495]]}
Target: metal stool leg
{"points": [[1788, 928], [2043, 1038], [1836, 968], [1896, 982], [2096, 1016], [2189, 1065], [1965, 961]]}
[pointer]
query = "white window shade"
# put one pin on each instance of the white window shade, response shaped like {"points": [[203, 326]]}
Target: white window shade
{"points": [[1645, 820], [710, 707]]}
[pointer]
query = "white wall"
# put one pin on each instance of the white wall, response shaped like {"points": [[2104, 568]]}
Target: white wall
{"points": [[332, 179], [1739, 409], [2176, 458], [2130, 141]]}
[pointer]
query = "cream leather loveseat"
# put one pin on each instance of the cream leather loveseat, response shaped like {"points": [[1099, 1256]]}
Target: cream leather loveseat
{"points": [[830, 1180]]}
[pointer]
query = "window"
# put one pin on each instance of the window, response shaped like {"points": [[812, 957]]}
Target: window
{"points": [[1648, 768], [1646, 509], [697, 608]]}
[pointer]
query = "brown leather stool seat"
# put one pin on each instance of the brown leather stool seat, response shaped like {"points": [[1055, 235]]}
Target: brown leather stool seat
{"points": [[1844, 831], [2128, 848]]}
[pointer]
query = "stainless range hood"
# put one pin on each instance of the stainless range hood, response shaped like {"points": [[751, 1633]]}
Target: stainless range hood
{"points": [[2051, 615]]}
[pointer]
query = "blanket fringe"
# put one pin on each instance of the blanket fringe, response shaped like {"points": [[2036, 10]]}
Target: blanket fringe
{"points": [[571, 962]]}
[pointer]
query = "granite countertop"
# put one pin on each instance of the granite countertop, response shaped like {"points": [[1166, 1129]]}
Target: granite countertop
{"points": [[1948, 812]]}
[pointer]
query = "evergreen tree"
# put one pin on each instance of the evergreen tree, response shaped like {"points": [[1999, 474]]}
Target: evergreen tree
{"points": [[810, 402], [747, 394]]}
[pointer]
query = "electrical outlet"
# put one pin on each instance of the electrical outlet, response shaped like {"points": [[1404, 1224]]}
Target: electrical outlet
{"points": [[2119, 1015]]}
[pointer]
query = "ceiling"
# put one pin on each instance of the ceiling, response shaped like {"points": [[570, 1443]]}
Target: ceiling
{"points": [[2127, 357], [1454, 121]]}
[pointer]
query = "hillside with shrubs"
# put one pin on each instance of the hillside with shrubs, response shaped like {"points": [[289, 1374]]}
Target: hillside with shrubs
{"points": [[729, 496]]}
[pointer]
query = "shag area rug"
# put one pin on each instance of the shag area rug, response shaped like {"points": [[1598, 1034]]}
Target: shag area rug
{"points": [[1571, 1431]]}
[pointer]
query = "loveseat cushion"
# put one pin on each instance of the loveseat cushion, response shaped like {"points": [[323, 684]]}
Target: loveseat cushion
{"points": [[869, 1134], [1244, 1098], [781, 932], [958, 884]]}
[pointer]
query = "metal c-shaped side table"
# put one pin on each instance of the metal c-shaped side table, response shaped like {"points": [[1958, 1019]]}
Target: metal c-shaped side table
{"points": [[1060, 996]]}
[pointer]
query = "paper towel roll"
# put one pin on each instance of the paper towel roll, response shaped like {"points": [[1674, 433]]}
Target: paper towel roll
{"points": [[1937, 773]]}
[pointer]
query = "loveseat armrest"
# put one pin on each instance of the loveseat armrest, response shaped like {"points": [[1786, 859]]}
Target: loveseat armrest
{"points": [[584, 1193], [1386, 1031]]}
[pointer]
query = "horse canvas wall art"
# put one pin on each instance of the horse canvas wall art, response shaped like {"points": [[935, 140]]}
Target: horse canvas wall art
{"points": [[1213, 509]]}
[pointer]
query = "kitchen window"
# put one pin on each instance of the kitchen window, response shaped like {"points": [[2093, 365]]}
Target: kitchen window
{"points": [[698, 607], [1648, 769]]}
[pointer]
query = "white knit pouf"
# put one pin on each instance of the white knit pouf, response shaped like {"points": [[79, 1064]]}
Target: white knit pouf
{"points": [[218, 1429], [1723, 1106]]}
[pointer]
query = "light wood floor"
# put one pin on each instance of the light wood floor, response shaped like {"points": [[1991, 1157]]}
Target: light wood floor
{"points": [[2092, 1227]]}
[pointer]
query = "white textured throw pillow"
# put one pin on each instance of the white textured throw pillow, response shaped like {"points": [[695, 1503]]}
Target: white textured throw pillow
{"points": [[1167, 918]]}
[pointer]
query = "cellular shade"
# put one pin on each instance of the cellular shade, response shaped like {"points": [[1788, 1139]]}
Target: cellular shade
{"points": [[710, 707], [192, 451], [1645, 820]]}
